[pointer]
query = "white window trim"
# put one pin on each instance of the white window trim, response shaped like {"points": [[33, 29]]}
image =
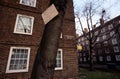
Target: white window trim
{"points": [[9, 58], [104, 37], [61, 35], [98, 39], [60, 68], [85, 59], [96, 32], [108, 58], [103, 30], [17, 22], [116, 49], [117, 57], [29, 5], [101, 58], [114, 41], [110, 26], [112, 33]]}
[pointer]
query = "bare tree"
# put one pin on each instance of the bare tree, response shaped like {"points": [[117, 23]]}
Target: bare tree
{"points": [[88, 12], [45, 61]]}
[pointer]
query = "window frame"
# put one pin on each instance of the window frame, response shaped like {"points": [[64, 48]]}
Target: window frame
{"points": [[110, 26], [112, 33], [108, 58], [104, 37], [9, 59], [60, 68], [96, 32], [101, 58], [102, 30], [16, 23], [29, 5], [117, 57], [114, 41], [61, 35], [116, 49]]}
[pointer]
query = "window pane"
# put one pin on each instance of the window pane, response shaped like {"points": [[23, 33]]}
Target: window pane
{"points": [[24, 24], [28, 2], [110, 26], [108, 58], [117, 57], [59, 59], [101, 58], [116, 49], [19, 59], [114, 41]]}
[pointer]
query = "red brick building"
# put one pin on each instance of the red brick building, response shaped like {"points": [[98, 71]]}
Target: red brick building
{"points": [[107, 46], [21, 30]]}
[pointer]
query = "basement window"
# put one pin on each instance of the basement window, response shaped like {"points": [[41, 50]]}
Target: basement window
{"points": [[28, 2], [18, 60]]}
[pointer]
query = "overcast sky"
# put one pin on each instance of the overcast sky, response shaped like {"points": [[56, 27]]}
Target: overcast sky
{"points": [[112, 7]]}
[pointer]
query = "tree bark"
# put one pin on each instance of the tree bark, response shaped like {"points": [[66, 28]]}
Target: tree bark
{"points": [[91, 57], [45, 60]]}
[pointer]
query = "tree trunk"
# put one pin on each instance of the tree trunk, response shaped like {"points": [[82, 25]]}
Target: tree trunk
{"points": [[91, 57], [45, 60]]}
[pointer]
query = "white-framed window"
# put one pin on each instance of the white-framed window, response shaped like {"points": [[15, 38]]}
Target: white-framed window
{"points": [[116, 49], [84, 59], [112, 33], [79, 40], [101, 58], [82, 38], [105, 42], [114, 41], [108, 58], [28, 2], [110, 26], [117, 57], [61, 35], [104, 37], [93, 53], [98, 39], [96, 32], [87, 42], [18, 60], [24, 24], [80, 59], [103, 30], [59, 60], [83, 43]]}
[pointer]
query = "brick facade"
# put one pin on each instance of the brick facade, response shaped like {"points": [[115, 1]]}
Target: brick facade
{"points": [[8, 13], [107, 46]]}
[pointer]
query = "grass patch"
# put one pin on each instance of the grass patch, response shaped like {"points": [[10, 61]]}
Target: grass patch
{"points": [[86, 74]]}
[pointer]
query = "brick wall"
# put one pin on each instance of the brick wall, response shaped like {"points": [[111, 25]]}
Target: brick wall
{"points": [[8, 12]]}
